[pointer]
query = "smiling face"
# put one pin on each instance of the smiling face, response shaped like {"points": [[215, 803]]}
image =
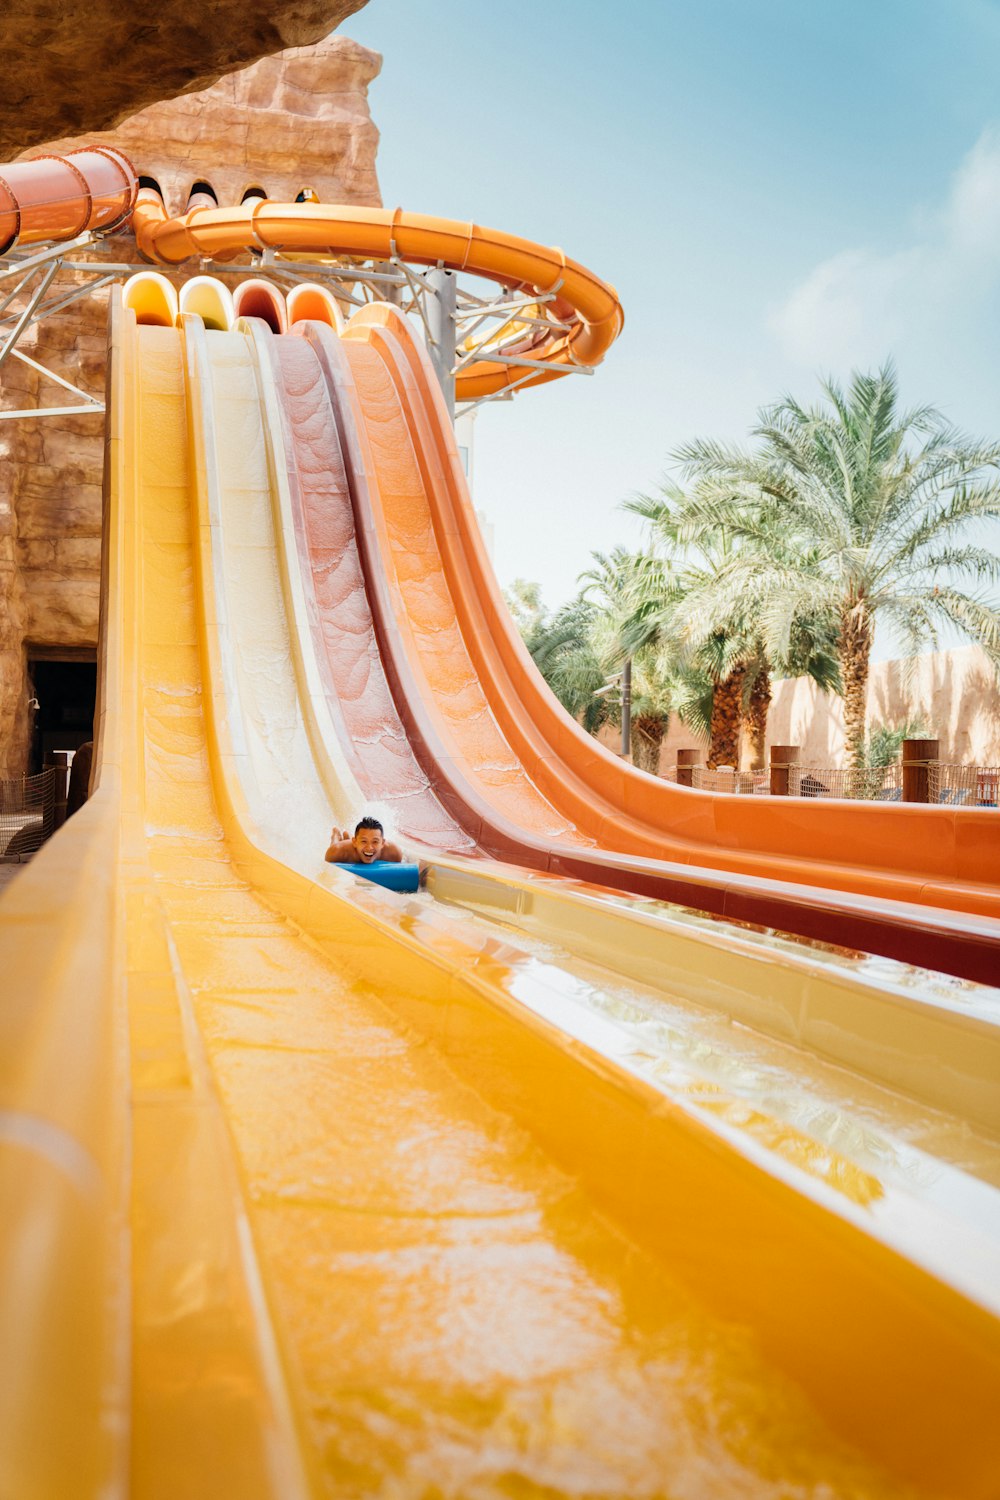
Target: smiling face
{"points": [[368, 845]]}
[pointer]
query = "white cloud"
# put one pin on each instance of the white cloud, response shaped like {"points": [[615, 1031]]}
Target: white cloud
{"points": [[861, 304]]}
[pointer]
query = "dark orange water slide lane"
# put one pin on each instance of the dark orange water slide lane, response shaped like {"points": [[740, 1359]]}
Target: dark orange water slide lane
{"points": [[523, 781]]}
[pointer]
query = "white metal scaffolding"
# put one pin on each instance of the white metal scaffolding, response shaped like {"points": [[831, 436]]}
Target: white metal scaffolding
{"points": [[464, 319]]}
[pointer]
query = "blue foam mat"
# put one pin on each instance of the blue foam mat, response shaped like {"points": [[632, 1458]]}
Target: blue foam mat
{"points": [[387, 873]]}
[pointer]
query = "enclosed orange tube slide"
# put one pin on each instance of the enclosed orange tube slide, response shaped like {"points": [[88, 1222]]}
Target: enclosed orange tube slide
{"points": [[59, 197]]}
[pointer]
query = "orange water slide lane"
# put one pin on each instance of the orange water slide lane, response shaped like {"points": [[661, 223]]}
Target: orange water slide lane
{"points": [[957, 849], [467, 747]]}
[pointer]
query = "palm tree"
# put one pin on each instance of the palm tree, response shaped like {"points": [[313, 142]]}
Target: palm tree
{"points": [[524, 600], [610, 586], [563, 650], [872, 506], [579, 645], [711, 630]]}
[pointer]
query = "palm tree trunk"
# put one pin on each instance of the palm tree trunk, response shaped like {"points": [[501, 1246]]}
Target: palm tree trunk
{"points": [[756, 721], [727, 717], [647, 738], [854, 646]]}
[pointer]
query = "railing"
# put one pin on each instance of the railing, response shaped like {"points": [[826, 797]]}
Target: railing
{"points": [[964, 786], [27, 813], [918, 777], [881, 784], [739, 783]]}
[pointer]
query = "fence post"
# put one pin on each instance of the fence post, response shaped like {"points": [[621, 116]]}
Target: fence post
{"points": [[918, 757], [783, 757], [59, 761], [686, 762]]}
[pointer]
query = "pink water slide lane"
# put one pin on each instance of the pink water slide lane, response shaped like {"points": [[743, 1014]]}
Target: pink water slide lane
{"points": [[360, 703]]}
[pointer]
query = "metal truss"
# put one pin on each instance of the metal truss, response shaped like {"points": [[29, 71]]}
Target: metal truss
{"points": [[463, 321], [25, 304]]}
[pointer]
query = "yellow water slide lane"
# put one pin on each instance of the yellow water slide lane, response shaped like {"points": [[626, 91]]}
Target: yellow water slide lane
{"points": [[209, 1410], [359, 1263]]}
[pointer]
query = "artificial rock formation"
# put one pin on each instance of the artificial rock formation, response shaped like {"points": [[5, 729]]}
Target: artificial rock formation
{"points": [[80, 65], [296, 120], [299, 119]]}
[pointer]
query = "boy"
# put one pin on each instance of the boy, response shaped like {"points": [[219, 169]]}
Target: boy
{"points": [[367, 845]]}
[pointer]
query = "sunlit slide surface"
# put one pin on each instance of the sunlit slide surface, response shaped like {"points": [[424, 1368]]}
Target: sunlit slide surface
{"points": [[309, 1189]]}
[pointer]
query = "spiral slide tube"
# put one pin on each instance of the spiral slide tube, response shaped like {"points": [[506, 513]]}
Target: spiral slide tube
{"points": [[582, 300], [344, 1259]]}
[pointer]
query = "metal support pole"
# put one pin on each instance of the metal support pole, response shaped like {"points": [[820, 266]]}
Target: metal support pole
{"points": [[60, 766], [391, 292], [25, 318], [441, 309], [627, 708]]}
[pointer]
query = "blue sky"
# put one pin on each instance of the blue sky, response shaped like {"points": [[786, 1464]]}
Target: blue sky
{"points": [[777, 188]]}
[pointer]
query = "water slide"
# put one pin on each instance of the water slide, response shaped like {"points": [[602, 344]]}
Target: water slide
{"points": [[927, 877], [294, 1249], [917, 884]]}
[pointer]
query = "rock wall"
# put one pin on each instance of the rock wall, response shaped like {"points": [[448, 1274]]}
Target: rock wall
{"points": [[88, 64], [295, 120]]}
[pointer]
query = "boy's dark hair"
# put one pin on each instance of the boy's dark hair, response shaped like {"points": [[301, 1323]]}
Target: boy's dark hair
{"points": [[370, 823]]}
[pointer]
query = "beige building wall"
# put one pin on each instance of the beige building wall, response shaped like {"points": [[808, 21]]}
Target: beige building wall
{"points": [[954, 693]]}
